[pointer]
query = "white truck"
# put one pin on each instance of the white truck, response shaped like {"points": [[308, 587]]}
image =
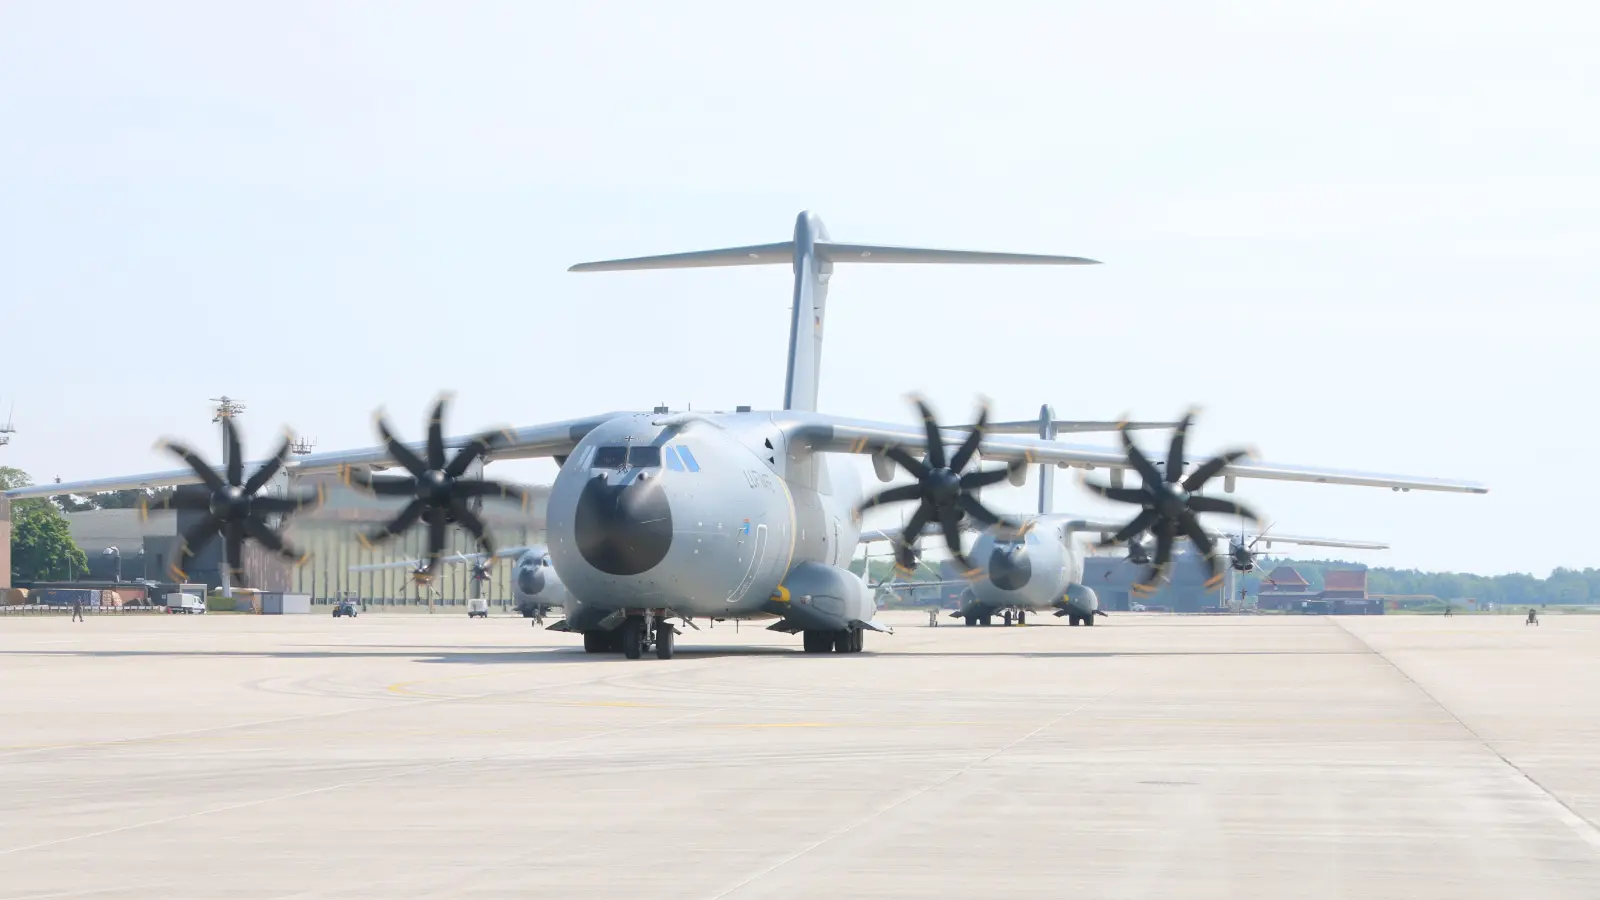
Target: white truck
{"points": [[183, 602], [477, 608]]}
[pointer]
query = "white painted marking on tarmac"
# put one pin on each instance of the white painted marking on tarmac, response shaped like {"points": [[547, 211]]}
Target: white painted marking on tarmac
{"points": [[1582, 827], [840, 832]]}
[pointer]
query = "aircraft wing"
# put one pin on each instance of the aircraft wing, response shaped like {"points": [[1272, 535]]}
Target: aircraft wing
{"points": [[463, 558], [916, 585], [1266, 542], [1101, 526], [553, 439], [833, 434]]}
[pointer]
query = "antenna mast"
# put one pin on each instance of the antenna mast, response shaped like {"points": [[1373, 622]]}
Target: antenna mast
{"points": [[226, 408]]}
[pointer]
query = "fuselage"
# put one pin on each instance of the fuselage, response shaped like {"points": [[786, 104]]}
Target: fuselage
{"points": [[535, 584], [697, 515], [1037, 567]]}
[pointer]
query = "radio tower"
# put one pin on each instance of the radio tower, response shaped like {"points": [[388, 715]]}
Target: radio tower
{"points": [[227, 408]]}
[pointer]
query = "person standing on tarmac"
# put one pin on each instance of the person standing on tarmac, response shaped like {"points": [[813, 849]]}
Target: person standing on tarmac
{"points": [[77, 609], [933, 617]]}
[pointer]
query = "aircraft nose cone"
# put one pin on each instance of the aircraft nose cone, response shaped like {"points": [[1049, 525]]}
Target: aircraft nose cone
{"points": [[1010, 568], [530, 580], [623, 529]]}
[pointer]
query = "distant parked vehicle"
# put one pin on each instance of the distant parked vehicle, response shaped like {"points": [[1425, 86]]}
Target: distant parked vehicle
{"points": [[477, 608], [191, 604], [345, 608]]}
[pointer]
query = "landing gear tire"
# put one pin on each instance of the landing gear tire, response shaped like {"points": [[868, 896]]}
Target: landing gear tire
{"points": [[664, 636], [842, 641], [1022, 617], [633, 638], [987, 619], [1005, 619], [1074, 619], [1088, 619], [816, 641], [596, 641], [858, 640], [971, 621]]}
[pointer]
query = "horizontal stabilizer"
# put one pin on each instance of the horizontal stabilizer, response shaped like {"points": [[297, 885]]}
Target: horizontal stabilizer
{"points": [[873, 626], [559, 626], [755, 255], [783, 253], [873, 253]]}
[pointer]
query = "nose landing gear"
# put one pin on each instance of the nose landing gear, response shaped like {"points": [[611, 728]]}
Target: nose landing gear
{"points": [[636, 635]]}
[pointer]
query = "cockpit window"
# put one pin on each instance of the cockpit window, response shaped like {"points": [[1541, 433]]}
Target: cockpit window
{"points": [[688, 458], [673, 462], [644, 457], [610, 457]]}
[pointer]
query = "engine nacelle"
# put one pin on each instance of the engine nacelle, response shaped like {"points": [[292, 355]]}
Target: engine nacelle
{"points": [[883, 467], [1018, 476]]}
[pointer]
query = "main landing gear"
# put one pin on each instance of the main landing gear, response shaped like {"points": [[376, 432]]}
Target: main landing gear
{"points": [[636, 635], [1008, 617], [850, 640]]}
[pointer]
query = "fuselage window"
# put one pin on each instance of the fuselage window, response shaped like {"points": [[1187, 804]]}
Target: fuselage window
{"points": [[688, 458], [644, 457], [673, 462], [610, 457]]}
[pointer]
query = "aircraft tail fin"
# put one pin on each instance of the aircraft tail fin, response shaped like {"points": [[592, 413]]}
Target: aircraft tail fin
{"points": [[813, 256]]}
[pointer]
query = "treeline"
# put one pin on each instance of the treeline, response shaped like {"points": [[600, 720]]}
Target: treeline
{"points": [[129, 499], [1564, 586]]}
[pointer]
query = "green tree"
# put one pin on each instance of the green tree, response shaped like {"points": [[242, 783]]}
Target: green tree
{"points": [[41, 544], [129, 499], [42, 548], [72, 503]]}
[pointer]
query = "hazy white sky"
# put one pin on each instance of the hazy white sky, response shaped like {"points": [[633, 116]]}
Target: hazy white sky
{"points": [[1360, 234]]}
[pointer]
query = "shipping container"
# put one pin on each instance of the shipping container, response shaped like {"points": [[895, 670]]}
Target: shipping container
{"points": [[274, 604]]}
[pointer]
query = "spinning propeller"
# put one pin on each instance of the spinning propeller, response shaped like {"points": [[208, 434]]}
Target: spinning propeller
{"points": [[1170, 505], [439, 493], [234, 510], [1242, 555], [943, 494]]}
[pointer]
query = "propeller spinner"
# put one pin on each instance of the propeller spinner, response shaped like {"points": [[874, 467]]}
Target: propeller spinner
{"points": [[1171, 503]]}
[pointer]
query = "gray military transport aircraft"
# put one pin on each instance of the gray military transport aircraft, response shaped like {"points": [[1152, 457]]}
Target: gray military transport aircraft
{"points": [[662, 515], [536, 589]]}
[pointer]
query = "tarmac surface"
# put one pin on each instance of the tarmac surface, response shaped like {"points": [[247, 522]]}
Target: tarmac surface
{"points": [[1150, 756]]}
